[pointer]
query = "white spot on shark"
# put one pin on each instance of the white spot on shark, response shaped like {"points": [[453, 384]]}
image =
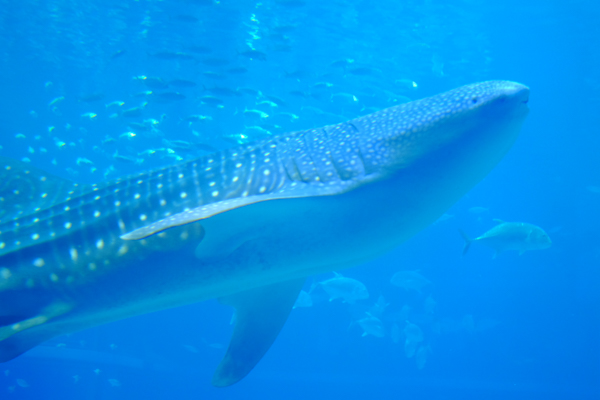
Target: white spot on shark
{"points": [[74, 255]]}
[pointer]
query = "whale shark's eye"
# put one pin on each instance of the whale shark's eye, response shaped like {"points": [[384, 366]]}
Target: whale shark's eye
{"points": [[474, 100]]}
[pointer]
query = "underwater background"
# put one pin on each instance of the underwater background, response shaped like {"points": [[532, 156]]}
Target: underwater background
{"points": [[94, 90]]}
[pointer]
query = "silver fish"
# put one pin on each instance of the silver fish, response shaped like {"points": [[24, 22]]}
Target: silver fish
{"points": [[519, 236]]}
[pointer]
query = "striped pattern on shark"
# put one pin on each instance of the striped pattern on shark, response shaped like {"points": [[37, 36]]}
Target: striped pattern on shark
{"points": [[271, 213]]}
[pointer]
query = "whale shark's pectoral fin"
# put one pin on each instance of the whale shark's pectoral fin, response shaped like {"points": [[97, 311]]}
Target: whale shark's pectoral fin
{"points": [[291, 190], [260, 315], [20, 336]]}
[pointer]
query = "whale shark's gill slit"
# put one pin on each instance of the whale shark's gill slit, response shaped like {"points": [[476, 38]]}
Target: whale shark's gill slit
{"points": [[350, 124], [332, 161], [362, 160], [295, 168]]}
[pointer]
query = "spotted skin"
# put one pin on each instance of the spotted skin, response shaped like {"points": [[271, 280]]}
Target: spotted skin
{"points": [[270, 212]]}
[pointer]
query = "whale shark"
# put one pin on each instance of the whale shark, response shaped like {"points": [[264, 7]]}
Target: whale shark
{"points": [[245, 225]]}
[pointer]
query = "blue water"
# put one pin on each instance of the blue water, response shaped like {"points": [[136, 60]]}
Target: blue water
{"points": [[510, 327]]}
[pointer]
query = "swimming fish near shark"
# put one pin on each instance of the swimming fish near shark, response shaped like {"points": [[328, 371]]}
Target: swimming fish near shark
{"points": [[246, 225], [505, 236]]}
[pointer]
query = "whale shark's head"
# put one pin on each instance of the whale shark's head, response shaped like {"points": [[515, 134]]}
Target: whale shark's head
{"points": [[469, 127]]}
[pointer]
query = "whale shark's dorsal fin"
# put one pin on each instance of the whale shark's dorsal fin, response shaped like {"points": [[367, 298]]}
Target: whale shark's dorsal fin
{"points": [[260, 315]]}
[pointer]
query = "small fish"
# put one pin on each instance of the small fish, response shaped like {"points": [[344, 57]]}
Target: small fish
{"points": [[171, 96], [406, 83], [127, 135], [292, 117], [190, 348], [108, 140], [299, 74], [322, 85], [197, 118], [182, 83], [254, 54], [155, 83], [89, 115], [114, 382], [125, 159], [139, 126], [56, 100], [177, 144], [348, 289], [255, 113], [371, 325], [174, 156], [238, 138], [256, 131], [22, 383], [378, 308], [409, 280], [117, 54], [275, 100], [303, 300], [268, 103], [222, 91], [20, 136], [344, 97], [115, 103], [172, 55], [414, 336], [213, 75], [429, 305], [519, 236], [211, 101], [132, 112], [82, 161], [395, 98], [299, 93], [421, 356], [145, 93], [342, 63], [249, 91]]}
